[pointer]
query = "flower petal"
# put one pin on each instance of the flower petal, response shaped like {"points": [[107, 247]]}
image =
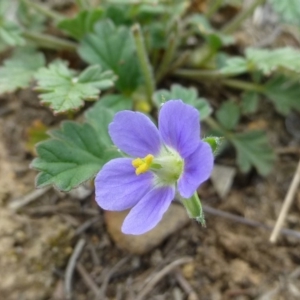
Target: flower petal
{"points": [[149, 211], [197, 168], [179, 126], [118, 187], [135, 134]]}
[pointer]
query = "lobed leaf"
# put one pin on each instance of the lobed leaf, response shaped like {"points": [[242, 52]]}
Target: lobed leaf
{"points": [[82, 23], [249, 102], [228, 115], [253, 150], [63, 90], [18, 70], [289, 10], [284, 93], [187, 95], [73, 155], [113, 48]]}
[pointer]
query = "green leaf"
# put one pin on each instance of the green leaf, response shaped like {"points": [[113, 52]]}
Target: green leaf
{"points": [[74, 155], [234, 66], [30, 18], [202, 26], [249, 103], [18, 70], [10, 32], [215, 143], [253, 150], [284, 93], [228, 115], [187, 95], [81, 24], [267, 61], [101, 114], [64, 90], [289, 10], [277, 60], [113, 48]]}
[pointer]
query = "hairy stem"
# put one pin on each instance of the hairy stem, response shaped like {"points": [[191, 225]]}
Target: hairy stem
{"points": [[199, 74], [243, 85], [167, 58], [44, 10], [241, 17], [145, 65], [213, 7], [48, 41], [83, 4]]}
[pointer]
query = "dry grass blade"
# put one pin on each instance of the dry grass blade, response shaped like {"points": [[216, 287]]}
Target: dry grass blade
{"points": [[71, 266], [286, 205], [158, 276]]}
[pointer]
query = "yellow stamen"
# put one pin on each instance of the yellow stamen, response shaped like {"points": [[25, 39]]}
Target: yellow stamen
{"points": [[137, 162], [148, 159], [142, 165]]}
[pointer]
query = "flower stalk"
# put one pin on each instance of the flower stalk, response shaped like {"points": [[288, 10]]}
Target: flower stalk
{"points": [[46, 11], [194, 208], [144, 61], [48, 41], [241, 17]]}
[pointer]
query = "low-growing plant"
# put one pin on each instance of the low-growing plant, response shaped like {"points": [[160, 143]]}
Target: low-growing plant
{"points": [[128, 52]]}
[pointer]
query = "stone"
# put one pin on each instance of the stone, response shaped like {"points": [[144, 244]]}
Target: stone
{"points": [[174, 219]]}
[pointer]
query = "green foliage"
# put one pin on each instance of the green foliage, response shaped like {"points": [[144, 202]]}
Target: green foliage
{"points": [[104, 110], [234, 66], [113, 48], [267, 61], [202, 26], [228, 115], [29, 18], [18, 70], [82, 23], [64, 90], [284, 93], [215, 143], [253, 149], [73, 155], [289, 10], [249, 102], [187, 95]]}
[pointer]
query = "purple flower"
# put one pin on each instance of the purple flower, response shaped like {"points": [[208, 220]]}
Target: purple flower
{"points": [[164, 160]]}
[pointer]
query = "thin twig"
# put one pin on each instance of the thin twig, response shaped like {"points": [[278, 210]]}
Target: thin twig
{"points": [[83, 227], [87, 279], [23, 201], [242, 220], [71, 266], [167, 269], [110, 274], [185, 286], [286, 205]]}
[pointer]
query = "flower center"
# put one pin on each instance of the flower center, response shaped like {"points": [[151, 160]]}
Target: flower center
{"points": [[142, 165], [167, 166]]}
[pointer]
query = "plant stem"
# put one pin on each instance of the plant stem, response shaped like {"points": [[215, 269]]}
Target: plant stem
{"points": [[83, 4], [145, 65], [243, 85], [199, 74], [213, 7], [48, 41], [167, 58], [213, 75], [241, 17], [44, 10]]}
